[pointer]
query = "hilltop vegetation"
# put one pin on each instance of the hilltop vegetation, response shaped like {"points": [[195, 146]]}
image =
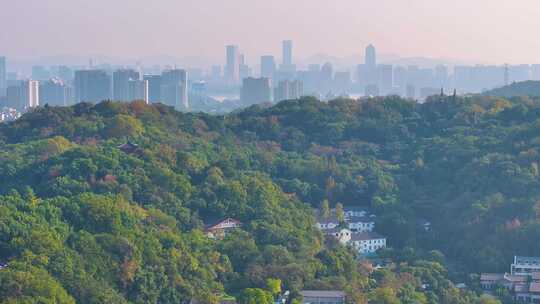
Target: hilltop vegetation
{"points": [[82, 221], [525, 88]]}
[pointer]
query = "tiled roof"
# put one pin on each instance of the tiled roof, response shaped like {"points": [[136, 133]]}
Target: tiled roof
{"points": [[491, 276], [364, 236], [534, 287], [360, 219], [322, 293]]}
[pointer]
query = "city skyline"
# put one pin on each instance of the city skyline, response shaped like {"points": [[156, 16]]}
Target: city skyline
{"points": [[65, 27]]}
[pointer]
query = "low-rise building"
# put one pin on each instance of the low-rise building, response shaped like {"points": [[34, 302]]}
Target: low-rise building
{"points": [[326, 223], [367, 242], [342, 235], [220, 229], [349, 212], [361, 223], [523, 282], [525, 265], [323, 297]]}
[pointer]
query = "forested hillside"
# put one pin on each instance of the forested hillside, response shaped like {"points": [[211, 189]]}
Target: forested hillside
{"points": [[524, 88], [81, 221]]}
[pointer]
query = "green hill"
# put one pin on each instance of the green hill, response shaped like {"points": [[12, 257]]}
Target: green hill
{"points": [[524, 88], [82, 221]]}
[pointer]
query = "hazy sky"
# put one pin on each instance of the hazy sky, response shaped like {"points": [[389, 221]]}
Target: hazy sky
{"points": [[480, 30]]}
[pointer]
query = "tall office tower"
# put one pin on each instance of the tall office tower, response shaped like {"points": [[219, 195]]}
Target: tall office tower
{"points": [[138, 90], [244, 71], [268, 66], [121, 79], [371, 65], [287, 53], [232, 69], [154, 88], [287, 68], [29, 94], [386, 78], [54, 92], [255, 90], [371, 56], [174, 90], [287, 90], [92, 86], [3, 77]]}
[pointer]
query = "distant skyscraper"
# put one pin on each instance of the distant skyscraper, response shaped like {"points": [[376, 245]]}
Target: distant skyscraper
{"points": [[268, 66], [92, 86], [154, 88], [287, 90], [121, 81], [386, 78], [256, 90], [244, 70], [371, 56], [3, 77], [370, 65], [287, 53], [174, 89], [29, 94], [54, 92], [232, 69], [287, 69], [138, 90]]}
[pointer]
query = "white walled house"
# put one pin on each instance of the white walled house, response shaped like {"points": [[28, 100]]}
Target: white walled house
{"points": [[330, 222], [361, 224], [367, 242], [354, 212], [342, 235]]}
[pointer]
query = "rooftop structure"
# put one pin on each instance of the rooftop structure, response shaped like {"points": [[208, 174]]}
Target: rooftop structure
{"points": [[323, 296]]}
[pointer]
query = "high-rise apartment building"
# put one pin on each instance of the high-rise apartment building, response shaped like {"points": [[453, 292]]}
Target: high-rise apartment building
{"points": [[92, 86], [121, 82], [29, 94], [174, 88], [54, 92], [154, 88], [287, 90], [232, 68], [138, 90], [287, 53], [256, 90], [268, 66]]}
